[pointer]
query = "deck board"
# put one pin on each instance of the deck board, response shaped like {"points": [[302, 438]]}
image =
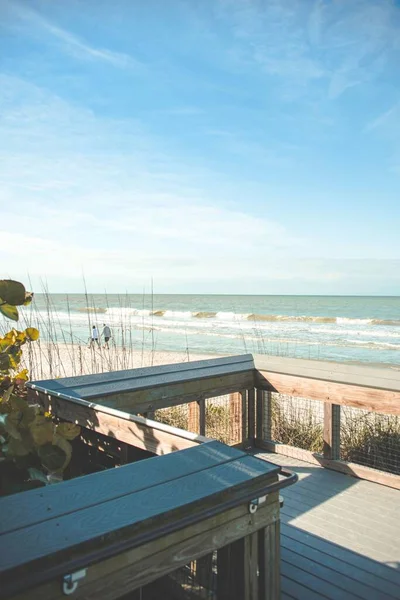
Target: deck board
{"points": [[340, 536]]}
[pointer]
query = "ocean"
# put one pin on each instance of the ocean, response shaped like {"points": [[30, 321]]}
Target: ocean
{"points": [[337, 328]]}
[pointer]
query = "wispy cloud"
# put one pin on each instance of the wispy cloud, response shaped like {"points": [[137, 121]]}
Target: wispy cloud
{"points": [[68, 41], [392, 115], [315, 43]]}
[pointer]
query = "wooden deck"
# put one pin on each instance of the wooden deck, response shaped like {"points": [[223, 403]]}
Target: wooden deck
{"points": [[340, 536]]}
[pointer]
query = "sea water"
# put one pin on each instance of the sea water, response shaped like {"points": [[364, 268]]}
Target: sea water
{"points": [[338, 328]]}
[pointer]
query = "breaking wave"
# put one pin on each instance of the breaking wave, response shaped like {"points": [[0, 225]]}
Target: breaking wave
{"points": [[232, 316]]}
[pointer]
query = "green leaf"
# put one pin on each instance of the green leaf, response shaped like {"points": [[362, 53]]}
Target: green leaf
{"points": [[9, 311], [52, 457], [12, 292], [28, 298], [36, 475], [32, 333], [4, 361]]}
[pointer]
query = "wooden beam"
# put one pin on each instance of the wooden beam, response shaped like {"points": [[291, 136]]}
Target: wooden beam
{"points": [[352, 469], [148, 435], [193, 417], [331, 433], [358, 375], [243, 395], [368, 398], [202, 417], [251, 412], [269, 561], [235, 418], [260, 414], [164, 397]]}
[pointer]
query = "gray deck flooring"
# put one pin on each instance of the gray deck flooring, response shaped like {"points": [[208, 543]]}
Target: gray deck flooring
{"points": [[340, 536]]}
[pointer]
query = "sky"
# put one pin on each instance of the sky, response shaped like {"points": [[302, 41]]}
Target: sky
{"points": [[212, 146]]}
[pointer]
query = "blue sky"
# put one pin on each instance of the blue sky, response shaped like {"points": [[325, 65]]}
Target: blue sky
{"points": [[216, 146]]}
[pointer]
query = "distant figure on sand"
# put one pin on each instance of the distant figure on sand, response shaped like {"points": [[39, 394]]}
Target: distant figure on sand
{"points": [[95, 337], [106, 334]]}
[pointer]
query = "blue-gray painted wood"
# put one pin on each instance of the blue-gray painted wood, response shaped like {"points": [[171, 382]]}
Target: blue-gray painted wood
{"points": [[340, 535], [103, 384], [108, 522], [35, 506]]}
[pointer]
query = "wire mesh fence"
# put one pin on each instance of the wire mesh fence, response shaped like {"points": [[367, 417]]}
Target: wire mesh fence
{"points": [[176, 416], [224, 418], [370, 439], [297, 422]]}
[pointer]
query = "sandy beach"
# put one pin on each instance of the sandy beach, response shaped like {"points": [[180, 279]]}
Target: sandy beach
{"points": [[49, 360]]}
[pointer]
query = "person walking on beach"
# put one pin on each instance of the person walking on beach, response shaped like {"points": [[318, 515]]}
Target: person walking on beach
{"points": [[106, 333], [95, 337]]}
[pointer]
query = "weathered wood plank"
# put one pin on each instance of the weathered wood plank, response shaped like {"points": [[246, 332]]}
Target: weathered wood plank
{"points": [[145, 401], [116, 522], [172, 371], [366, 583], [368, 398], [251, 412], [259, 414], [36, 506], [184, 377], [235, 417], [193, 417], [243, 395], [269, 561], [358, 375], [202, 417], [134, 568], [148, 435], [331, 433]]}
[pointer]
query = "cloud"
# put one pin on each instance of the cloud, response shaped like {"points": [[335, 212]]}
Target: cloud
{"points": [[314, 49], [105, 196], [69, 42], [387, 118]]}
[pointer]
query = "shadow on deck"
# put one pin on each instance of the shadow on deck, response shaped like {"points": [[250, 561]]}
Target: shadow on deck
{"points": [[340, 536]]}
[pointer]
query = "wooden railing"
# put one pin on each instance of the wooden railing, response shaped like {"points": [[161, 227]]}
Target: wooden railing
{"points": [[245, 387], [335, 385]]}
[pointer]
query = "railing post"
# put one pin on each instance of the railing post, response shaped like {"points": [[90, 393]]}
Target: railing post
{"points": [[331, 431], [269, 548], [235, 418], [267, 420], [259, 414], [202, 416], [243, 394], [193, 417], [251, 414]]}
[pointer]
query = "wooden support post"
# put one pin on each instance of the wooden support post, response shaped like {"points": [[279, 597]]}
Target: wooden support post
{"points": [[269, 562], [193, 417], [267, 417], [202, 416], [259, 414], [235, 418], [251, 412], [243, 394], [237, 570], [332, 431]]}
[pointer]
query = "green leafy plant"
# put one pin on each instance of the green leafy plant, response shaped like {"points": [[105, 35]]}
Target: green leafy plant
{"points": [[34, 450]]}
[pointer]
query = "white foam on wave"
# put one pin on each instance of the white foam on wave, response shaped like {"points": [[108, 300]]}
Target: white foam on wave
{"points": [[178, 314], [231, 316], [375, 345]]}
